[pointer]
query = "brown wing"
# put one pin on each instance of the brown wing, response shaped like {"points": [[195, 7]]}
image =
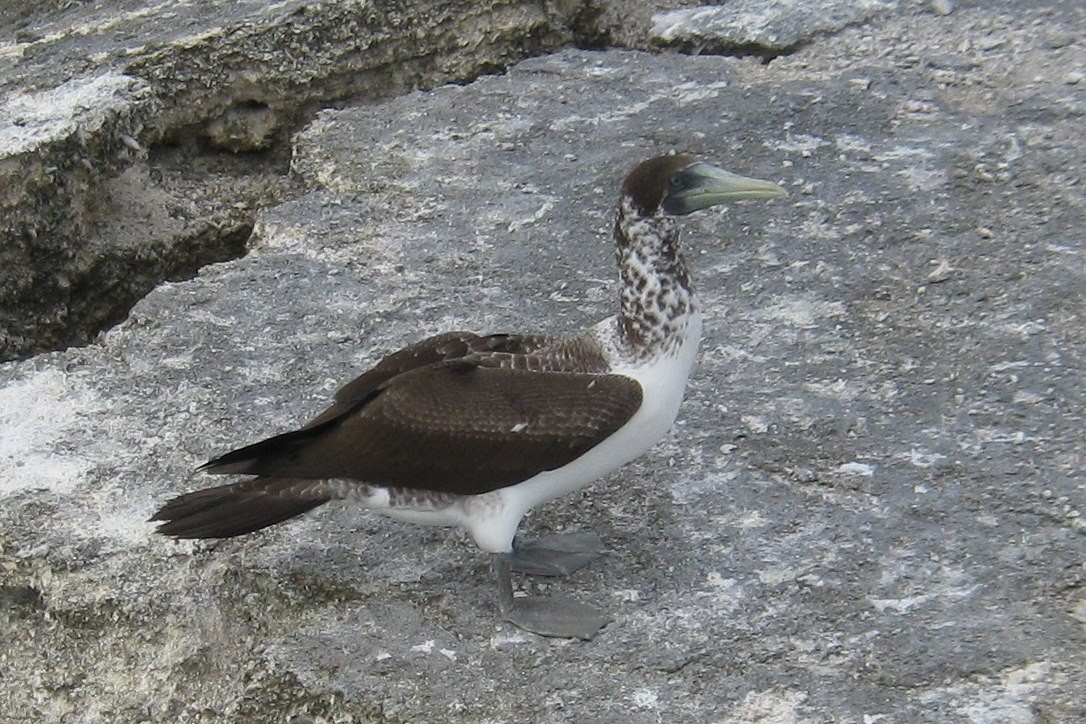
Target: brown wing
{"points": [[451, 426], [439, 348]]}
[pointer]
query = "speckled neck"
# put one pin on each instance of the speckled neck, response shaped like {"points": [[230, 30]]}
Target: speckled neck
{"points": [[657, 298]]}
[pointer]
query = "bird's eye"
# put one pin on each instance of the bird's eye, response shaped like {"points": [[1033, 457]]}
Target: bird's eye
{"points": [[677, 183]]}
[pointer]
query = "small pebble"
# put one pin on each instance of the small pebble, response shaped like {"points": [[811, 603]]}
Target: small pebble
{"points": [[942, 7], [941, 272], [1059, 39]]}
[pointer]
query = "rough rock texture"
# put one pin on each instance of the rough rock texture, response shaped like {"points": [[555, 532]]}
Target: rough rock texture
{"points": [[871, 509], [756, 27], [121, 122]]}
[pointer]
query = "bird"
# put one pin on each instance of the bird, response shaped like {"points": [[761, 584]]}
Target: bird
{"points": [[474, 430]]}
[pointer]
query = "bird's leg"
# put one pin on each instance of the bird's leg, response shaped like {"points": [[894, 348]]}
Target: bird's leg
{"points": [[557, 555], [556, 617]]}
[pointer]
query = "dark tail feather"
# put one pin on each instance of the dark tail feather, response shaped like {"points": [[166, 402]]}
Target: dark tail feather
{"points": [[230, 510]]}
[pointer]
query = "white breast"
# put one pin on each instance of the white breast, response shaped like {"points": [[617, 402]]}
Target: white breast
{"points": [[492, 518]]}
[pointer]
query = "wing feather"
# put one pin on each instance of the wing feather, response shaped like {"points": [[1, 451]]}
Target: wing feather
{"points": [[438, 348], [451, 426]]}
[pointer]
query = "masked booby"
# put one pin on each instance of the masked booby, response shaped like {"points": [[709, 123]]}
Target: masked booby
{"points": [[474, 430]]}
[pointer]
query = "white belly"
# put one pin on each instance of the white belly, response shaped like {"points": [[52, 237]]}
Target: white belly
{"points": [[493, 523]]}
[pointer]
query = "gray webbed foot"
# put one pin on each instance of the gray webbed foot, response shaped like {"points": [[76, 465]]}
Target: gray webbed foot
{"points": [[557, 555], [555, 617]]}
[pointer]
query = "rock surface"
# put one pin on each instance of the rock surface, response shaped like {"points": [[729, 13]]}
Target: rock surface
{"points": [[158, 100], [760, 28], [870, 510]]}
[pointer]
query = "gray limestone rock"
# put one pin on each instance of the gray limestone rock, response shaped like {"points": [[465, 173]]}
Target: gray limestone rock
{"points": [[56, 146], [871, 508], [759, 27], [171, 94]]}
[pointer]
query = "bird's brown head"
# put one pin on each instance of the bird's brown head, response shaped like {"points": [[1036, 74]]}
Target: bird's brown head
{"points": [[680, 184]]}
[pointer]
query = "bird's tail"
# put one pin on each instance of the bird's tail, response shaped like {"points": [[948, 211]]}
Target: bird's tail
{"points": [[236, 509]]}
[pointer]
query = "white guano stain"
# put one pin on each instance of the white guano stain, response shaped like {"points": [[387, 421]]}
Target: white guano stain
{"points": [[36, 416]]}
